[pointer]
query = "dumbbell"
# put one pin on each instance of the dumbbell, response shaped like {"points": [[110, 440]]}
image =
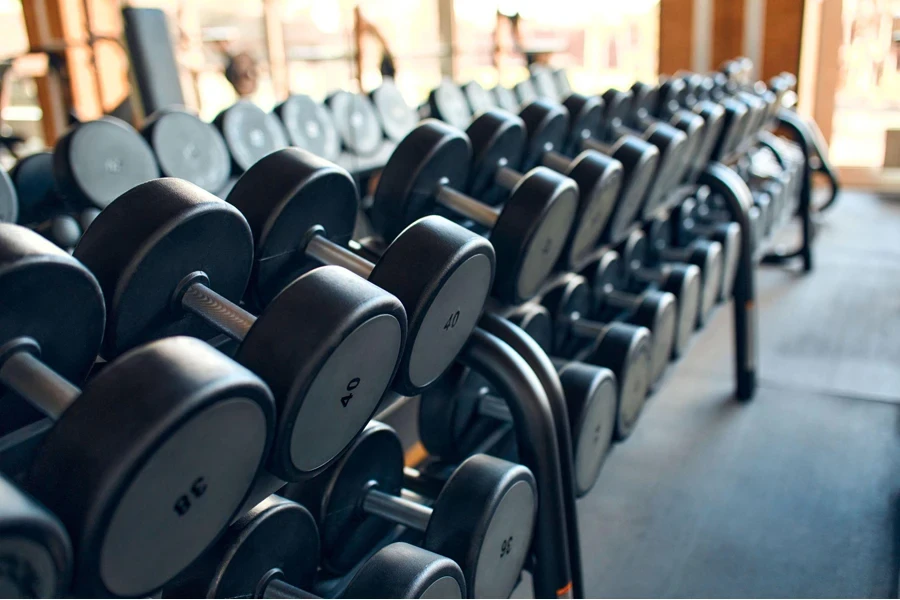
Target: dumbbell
{"points": [[35, 549], [96, 161], [188, 148], [679, 279], [694, 223], [601, 293], [273, 552], [706, 254], [302, 209], [309, 126], [462, 411], [397, 118], [122, 467], [624, 349], [249, 133], [482, 519], [600, 177], [356, 122], [644, 101], [174, 259], [505, 98], [672, 143], [498, 140], [427, 170]]}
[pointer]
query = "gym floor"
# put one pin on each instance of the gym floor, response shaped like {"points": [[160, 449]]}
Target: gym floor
{"points": [[797, 493]]}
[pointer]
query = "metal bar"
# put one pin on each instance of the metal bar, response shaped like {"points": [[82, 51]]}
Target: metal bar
{"points": [[329, 253], [397, 509], [467, 206], [43, 387], [510, 360], [218, 311]]}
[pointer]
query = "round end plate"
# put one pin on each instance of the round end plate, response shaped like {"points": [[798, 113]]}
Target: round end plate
{"points": [[448, 103], [250, 133], [189, 149], [145, 243], [309, 126], [356, 122], [396, 116], [98, 161], [498, 139], [531, 232], [433, 154]]}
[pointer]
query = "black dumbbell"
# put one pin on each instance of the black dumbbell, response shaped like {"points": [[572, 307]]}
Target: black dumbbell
{"points": [[273, 552], [479, 99], [302, 209], [706, 254], [682, 280], [461, 412], [32, 179], [188, 148], [36, 551], [9, 199], [623, 348], [696, 99], [482, 519], [310, 126], [547, 124], [249, 133], [96, 161], [529, 233], [641, 114], [506, 98], [672, 143], [356, 122], [174, 259], [498, 140], [607, 299], [694, 222], [122, 467], [397, 118]]}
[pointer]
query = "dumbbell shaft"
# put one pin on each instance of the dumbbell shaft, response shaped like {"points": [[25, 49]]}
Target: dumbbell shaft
{"points": [[43, 387], [469, 207], [330, 253], [218, 311], [397, 509], [556, 161], [278, 588]]}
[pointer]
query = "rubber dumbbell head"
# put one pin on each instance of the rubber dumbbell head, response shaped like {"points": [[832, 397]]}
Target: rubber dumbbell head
{"points": [[623, 348], [529, 233], [482, 519], [497, 141], [397, 118], [273, 552], [121, 467], [302, 210], [356, 122], [682, 280], [174, 259], [188, 148], [309, 126], [250, 133], [95, 162]]}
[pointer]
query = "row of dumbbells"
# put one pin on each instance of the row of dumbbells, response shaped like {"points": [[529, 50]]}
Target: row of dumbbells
{"points": [[161, 249], [662, 279]]}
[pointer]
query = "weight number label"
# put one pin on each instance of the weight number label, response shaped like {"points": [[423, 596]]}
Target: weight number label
{"points": [[354, 383], [183, 502], [506, 547], [452, 321]]}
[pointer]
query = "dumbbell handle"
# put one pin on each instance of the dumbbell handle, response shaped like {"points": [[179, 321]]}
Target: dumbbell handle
{"points": [[397, 509], [467, 206], [677, 254], [648, 275], [217, 310], [329, 253], [556, 161], [275, 587], [44, 388]]}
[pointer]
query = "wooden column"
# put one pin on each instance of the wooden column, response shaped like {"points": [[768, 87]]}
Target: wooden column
{"points": [[782, 38], [676, 35], [728, 31]]}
